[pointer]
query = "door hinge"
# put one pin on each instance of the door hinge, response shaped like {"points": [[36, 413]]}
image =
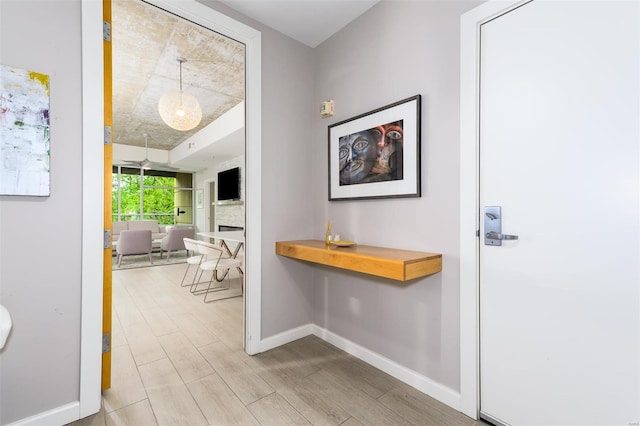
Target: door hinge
{"points": [[106, 342], [107, 135], [107, 238], [478, 233], [106, 31]]}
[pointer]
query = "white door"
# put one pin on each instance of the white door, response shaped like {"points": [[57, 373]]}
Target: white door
{"points": [[559, 152]]}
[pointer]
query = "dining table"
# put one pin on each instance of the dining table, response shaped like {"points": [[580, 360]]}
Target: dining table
{"points": [[225, 239]]}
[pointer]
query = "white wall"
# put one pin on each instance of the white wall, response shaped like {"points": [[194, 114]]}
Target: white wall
{"points": [[394, 51], [232, 214], [40, 238], [223, 137], [123, 153], [202, 215]]}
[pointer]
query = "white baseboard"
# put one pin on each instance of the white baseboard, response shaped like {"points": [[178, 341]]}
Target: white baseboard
{"points": [[422, 383], [285, 337], [58, 416]]}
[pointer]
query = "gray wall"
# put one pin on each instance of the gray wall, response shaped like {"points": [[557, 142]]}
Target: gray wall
{"points": [[394, 51], [287, 211], [40, 238]]}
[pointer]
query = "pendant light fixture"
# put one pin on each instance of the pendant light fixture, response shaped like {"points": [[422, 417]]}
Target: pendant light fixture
{"points": [[179, 109]]}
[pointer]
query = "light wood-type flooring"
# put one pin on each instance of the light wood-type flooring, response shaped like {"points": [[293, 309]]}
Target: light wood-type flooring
{"points": [[178, 361]]}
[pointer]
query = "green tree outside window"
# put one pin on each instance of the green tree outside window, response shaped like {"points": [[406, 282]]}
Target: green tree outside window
{"points": [[158, 194]]}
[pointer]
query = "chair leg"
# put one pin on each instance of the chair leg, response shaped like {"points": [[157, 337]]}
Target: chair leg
{"points": [[194, 283], [186, 271], [228, 275], [211, 288], [185, 275], [150, 258], [220, 298], [119, 259], [168, 255]]}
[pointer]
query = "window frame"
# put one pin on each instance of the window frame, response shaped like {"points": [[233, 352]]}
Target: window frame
{"points": [[116, 185]]}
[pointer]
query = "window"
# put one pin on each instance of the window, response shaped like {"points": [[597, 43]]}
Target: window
{"points": [[151, 194]]}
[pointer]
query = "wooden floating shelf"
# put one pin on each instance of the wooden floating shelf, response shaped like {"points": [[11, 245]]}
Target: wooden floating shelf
{"points": [[400, 265]]}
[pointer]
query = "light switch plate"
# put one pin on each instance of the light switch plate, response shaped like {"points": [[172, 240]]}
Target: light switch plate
{"points": [[326, 109]]}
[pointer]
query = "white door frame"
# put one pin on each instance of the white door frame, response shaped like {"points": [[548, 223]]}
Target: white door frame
{"points": [[92, 208], [470, 24], [93, 159]]}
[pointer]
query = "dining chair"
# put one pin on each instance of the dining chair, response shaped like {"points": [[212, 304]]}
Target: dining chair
{"points": [[212, 261], [195, 259]]}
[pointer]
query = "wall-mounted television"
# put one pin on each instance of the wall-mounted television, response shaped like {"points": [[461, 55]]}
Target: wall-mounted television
{"points": [[229, 184]]}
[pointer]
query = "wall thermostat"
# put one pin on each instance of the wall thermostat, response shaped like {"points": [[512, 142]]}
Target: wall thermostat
{"points": [[326, 109]]}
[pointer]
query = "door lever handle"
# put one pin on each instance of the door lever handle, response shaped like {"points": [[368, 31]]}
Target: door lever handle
{"points": [[496, 236]]}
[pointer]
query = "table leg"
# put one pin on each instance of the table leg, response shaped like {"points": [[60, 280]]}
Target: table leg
{"points": [[232, 255]]}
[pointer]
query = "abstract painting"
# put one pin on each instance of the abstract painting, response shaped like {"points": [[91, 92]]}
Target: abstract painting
{"points": [[24, 132]]}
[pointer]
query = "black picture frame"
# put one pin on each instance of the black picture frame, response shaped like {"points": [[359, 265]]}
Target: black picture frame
{"points": [[376, 154]]}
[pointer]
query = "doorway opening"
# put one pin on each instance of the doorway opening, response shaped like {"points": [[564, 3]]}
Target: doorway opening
{"points": [[147, 41], [93, 177]]}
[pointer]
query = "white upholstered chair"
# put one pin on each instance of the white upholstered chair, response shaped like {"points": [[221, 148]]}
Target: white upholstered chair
{"points": [[133, 242], [174, 240]]}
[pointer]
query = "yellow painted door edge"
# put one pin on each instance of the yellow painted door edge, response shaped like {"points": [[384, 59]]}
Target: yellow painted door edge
{"points": [[108, 161]]}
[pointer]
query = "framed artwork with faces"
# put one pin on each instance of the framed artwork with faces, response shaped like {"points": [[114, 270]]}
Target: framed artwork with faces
{"points": [[376, 154]]}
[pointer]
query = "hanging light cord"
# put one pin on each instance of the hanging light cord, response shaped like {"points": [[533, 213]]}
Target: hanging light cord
{"points": [[181, 60]]}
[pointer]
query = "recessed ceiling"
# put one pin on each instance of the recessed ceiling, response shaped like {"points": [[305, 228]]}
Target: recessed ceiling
{"points": [[146, 44]]}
